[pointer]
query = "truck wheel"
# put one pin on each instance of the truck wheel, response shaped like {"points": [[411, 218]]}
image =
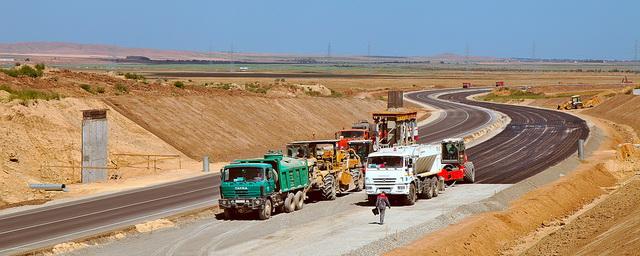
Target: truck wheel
{"points": [[428, 189], [411, 197], [469, 175], [229, 214], [265, 213], [289, 205], [434, 186], [441, 184], [329, 188], [299, 200]]}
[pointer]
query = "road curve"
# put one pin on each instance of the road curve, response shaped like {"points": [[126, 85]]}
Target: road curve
{"points": [[44, 226]]}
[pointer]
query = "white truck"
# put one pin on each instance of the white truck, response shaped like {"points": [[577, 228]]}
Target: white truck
{"points": [[405, 172]]}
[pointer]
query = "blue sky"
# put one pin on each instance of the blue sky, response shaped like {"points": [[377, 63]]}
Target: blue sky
{"points": [[560, 29]]}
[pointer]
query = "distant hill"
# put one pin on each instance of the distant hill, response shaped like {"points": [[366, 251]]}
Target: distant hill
{"points": [[99, 51]]}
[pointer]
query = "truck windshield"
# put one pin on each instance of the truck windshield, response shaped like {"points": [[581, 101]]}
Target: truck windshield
{"points": [[350, 134], [239, 174], [385, 161]]}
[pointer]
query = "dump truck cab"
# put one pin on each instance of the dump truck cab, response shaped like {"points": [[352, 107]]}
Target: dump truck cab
{"points": [[262, 184]]}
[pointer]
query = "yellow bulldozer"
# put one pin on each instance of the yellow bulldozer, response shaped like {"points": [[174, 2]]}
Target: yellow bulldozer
{"points": [[577, 103], [332, 169]]}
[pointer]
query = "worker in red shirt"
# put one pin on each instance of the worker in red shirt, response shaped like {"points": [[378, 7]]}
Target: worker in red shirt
{"points": [[382, 202]]}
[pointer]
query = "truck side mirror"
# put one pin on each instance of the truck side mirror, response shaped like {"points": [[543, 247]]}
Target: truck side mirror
{"points": [[268, 174]]}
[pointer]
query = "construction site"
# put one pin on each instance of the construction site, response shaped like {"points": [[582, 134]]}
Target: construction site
{"points": [[116, 150]]}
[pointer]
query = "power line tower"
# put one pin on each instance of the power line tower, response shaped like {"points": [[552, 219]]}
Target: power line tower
{"points": [[533, 50], [231, 58], [466, 52], [635, 51]]}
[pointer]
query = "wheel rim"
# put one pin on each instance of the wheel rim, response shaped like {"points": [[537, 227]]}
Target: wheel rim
{"points": [[267, 209]]}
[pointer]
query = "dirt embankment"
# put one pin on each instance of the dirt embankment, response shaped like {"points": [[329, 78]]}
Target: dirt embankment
{"points": [[226, 128], [36, 139], [591, 211], [621, 109]]}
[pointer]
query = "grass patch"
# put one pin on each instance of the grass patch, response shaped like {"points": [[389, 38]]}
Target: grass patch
{"points": [[335, 93], [255, 88], [508, 94], [27, 95], [134, 76], [87, 88], [24, 71], [100, 89], [179, 84], [121, 89]]}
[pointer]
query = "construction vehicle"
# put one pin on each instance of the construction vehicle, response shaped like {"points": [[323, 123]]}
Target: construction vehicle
{"points": [[499, 83], [466, 85], [332, 169], [264, 184], [359, 131], [417, 171], [626, 80], [576, 103], [394, 128]]}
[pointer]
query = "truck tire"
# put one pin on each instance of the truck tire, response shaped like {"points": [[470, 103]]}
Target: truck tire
{"points": [[412, 196], [359, 181], [469, 174], [265, 213], [289, 205], [299, 200], [428, 189], [434, 186], [229, 213], [329, 188], [441, 184]]}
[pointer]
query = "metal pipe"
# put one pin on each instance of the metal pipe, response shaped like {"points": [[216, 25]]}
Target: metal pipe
{"points": [[205, 164], [581, 149], [48, 187]]}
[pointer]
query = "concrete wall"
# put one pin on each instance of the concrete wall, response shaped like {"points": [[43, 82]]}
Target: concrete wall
{"points": [[94, 147]]}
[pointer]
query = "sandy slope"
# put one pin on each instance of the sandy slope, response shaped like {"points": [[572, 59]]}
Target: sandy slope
{"points": [[231, 127]]}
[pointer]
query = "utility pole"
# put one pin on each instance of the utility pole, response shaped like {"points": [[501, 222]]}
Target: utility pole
{"points": [[369, 49], [329, 50]]}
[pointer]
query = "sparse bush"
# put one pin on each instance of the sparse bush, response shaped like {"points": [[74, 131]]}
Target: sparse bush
{"points": [[87, 88], [335, 93], [24, 70], [313, 93], [27, 95], [100, 89], [40, 66], [122, 89], [179, 84], [134, 76]]}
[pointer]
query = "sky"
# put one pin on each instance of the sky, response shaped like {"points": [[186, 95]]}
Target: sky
{"points": [[586, 29]]}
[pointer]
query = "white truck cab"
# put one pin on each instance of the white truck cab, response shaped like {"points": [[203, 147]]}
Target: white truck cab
{"points": [[404, 171]]}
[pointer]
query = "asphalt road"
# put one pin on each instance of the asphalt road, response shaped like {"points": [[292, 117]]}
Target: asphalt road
{"points": [[535, 140]]}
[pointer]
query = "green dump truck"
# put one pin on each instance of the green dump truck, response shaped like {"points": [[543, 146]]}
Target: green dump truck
{"points": [[263, 185]]}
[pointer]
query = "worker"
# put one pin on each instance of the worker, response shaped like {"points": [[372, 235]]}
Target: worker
{"points": [[382, 202]]}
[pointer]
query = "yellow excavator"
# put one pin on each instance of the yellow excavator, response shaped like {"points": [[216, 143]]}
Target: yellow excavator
{"points": [[576, 103]]}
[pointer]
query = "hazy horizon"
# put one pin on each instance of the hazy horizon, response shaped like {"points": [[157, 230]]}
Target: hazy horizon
{"points": [[542, 29]]}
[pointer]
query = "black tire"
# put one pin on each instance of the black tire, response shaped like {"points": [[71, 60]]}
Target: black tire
{"points": [[299, 200], [469, 175], [441, 186], [289, 205], [359, 182], [434, 186], [229, 214], [265, 213], [329, 188], [428, 189], [412, 196]]}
